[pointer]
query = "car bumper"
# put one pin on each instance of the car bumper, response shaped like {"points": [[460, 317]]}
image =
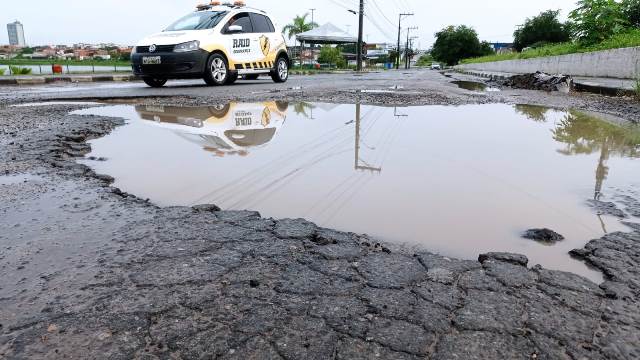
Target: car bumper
{"points": [[173, 65]]}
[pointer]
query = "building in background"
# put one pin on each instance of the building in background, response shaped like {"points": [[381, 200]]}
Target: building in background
{"points": [[16, 34], [502, 48]]}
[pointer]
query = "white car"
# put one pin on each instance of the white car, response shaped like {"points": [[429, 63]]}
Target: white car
{"points": [[218, 42], [436, 67]]}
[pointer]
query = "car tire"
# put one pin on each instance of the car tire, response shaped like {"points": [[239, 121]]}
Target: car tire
{"points": [[217, 70], [250, 77], [232, 79], [154, 82], [281, 73]]}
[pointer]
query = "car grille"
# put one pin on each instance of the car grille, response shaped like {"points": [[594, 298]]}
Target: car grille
{"points": [[159, 48]]}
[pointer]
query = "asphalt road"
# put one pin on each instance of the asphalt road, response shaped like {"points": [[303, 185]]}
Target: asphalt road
{"points": [[87, 271]]}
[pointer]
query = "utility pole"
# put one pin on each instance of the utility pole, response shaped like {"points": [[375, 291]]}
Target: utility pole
{"points": [[406, 49], [411, 47], [360, 34], [400, 17], [312, 15]]}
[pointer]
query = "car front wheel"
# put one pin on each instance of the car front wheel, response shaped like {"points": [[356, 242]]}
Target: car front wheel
{"points": [[281, 73], [217, 72]]}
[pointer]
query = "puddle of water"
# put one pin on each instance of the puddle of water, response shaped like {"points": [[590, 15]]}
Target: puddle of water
{"points": [[474, 86], [455, 180], [377, 91], [52, 103]]}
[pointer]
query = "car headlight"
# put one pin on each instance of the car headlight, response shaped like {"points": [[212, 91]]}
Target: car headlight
{"points": [[188, 46]]}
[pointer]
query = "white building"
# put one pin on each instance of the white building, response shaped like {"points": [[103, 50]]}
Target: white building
{"points": [[16, 34]]}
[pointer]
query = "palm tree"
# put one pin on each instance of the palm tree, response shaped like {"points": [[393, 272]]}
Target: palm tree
{"points": [[298, 26]]}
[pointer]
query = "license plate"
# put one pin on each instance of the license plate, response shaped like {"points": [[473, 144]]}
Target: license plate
{"points": [[151, 60]]}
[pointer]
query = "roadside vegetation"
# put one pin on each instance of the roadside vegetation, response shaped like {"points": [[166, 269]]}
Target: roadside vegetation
{"points": [[2, 72], [454, 43], [332, 56], [637, 88], [16, 70], [628, 39], [425, 60], [593, 26]]}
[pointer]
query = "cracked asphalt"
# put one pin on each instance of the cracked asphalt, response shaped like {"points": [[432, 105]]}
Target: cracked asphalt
{"points": [[88, 271]]}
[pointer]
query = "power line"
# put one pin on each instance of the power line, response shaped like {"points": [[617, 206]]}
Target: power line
{"points": [[375, 4]]}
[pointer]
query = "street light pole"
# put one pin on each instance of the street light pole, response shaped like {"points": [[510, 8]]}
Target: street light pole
{"points": [[360, 35], [399, 31], [312, 16]]}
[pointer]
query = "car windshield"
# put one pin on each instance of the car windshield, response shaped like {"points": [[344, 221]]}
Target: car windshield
{"points": [[198, 21]]}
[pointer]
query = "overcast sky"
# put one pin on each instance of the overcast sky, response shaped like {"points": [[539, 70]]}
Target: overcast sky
{"points": [[126, 21]]}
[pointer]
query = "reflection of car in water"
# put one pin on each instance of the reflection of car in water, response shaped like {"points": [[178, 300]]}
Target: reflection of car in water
{"points": [[229, 129]]}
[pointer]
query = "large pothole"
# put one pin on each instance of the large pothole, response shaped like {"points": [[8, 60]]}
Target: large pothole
{"points": [[455, 180]]}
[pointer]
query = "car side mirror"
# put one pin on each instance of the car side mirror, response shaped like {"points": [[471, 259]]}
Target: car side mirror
{"points": [[233, 29]]}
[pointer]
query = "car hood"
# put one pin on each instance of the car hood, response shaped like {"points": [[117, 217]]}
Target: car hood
{"points": [[172, 37]]}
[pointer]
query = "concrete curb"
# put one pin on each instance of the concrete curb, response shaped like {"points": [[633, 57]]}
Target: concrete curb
{"points": [[580, 85], [39, 80]]}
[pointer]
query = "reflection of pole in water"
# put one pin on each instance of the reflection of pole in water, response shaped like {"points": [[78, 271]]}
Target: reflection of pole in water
{"points": [[603, 170], [395, 113], [601, 175], [357, 152]]}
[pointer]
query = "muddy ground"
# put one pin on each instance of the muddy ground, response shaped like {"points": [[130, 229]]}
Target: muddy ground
{"points": [[87, 271]]}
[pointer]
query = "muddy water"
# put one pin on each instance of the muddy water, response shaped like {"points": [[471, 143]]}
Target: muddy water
{"points": [[456, 180], [474, 86]]}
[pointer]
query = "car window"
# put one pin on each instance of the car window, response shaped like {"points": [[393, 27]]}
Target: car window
{"points": [[261, 24], [198, 21], [241, 19], [273, 28]]}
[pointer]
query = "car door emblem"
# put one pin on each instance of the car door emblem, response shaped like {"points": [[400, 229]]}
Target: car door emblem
{"points": [[152, 48], [265, 45], [266, 117]]}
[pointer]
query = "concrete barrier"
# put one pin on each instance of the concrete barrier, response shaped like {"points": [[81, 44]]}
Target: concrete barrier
{"points": [[617, 63]]}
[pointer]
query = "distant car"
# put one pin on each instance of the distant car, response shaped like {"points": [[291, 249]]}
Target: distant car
{"points": [[436, 67], [218, 42]]}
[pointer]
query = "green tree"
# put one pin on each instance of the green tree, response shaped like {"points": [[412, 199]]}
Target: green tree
{"points": [[329, 55], [299, 26], [456, 43], [27, 51], [393, 56], [597, 20], [544, 28], [631, 11], [425, 60]]}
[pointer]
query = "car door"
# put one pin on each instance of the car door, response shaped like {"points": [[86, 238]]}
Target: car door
{"points": [[267, 39], [241, 46]]}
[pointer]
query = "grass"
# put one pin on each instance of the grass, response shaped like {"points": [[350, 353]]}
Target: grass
{"points": [[16, 70], [49, 62], [628, 39], [2, 72]]}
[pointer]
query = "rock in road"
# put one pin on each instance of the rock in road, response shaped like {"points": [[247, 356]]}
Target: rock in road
{"points": [[545, 235]]}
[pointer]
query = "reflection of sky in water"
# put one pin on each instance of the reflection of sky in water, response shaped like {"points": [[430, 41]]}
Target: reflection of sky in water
{"points": [[455, 180]]}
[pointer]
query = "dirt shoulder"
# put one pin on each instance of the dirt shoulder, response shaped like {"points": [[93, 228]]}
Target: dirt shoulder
{"points": [[89, 271]]}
